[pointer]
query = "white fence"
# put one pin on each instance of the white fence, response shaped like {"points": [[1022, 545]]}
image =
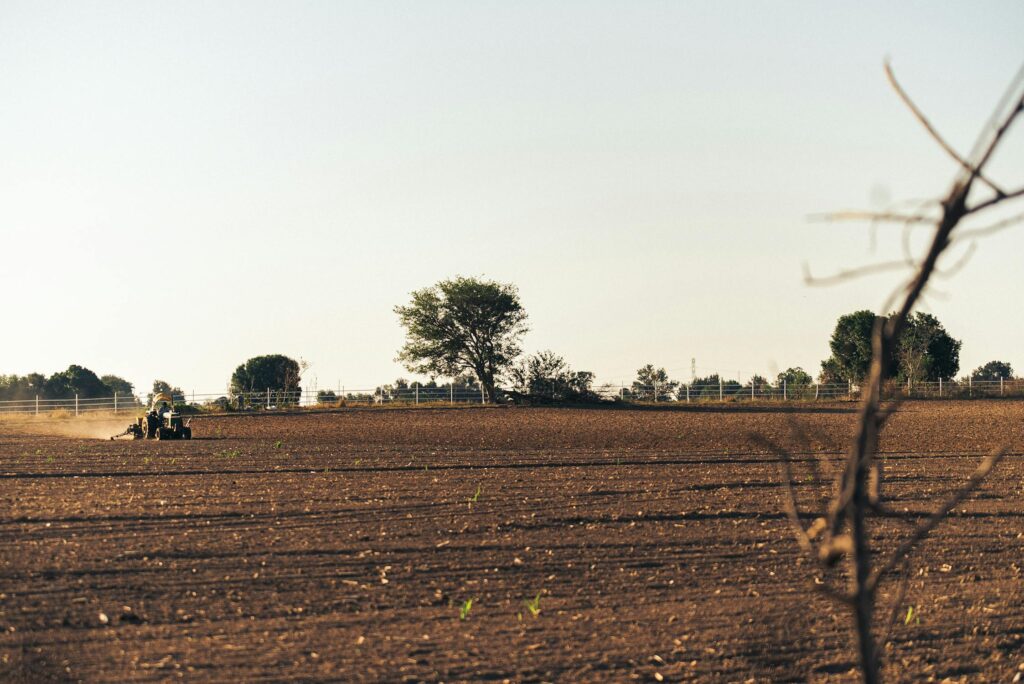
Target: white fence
{"points": [[725, 390], [76, 406], [271, 399]]}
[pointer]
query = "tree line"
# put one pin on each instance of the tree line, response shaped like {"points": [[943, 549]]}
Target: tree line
{"points": [[469, 330], [76, 381], [474, 326]]}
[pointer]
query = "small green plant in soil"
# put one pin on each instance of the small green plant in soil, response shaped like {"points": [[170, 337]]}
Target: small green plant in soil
{"points": [[533, 605], [464, 609]]}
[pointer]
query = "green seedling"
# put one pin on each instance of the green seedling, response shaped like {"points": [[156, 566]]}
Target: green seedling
{"points": [[229, 453], [533, 605], [476, 497], [464, 609], [277, 444], [912, 616]]}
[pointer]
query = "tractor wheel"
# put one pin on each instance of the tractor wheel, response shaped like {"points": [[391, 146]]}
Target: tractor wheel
{"points": [[152, 427], [161, 433], [186, 433]]}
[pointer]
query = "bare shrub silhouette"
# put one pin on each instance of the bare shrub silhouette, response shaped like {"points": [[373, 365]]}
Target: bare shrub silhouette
{"points": [[838, 540]]}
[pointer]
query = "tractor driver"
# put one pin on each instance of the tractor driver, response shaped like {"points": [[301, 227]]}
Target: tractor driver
{"points": [[164, 408]]}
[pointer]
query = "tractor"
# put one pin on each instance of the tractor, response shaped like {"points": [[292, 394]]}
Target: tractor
{"points": [[162, 422]]}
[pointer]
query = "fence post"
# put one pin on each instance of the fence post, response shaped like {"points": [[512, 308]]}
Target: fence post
{"points": [[849, 389], [451, 392], [268, 397], [115, 402], [417, 392], [37, 404], [785, 395], [655, 391], [76, 403], [687, 394], [940, 387], [751, 389], [970, 385], [1000, 385], [482, 399], [815, 391]]}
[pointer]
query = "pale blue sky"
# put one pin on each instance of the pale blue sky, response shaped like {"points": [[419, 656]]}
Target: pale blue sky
{"points": [[186, 185]]}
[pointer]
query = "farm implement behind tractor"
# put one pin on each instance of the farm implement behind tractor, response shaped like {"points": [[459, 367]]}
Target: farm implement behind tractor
{"points": [[162, 422]]}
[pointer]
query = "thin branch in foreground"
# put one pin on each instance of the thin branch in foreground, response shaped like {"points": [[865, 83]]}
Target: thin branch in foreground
{"points": [[789, 501], [922, 531], [849, 274], [1003, 126], [992, 201], [991, 229], [923, 120], [901, 594], [960, 263]]}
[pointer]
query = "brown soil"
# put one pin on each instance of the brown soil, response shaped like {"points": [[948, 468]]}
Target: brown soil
{"points": [[341, 546]]}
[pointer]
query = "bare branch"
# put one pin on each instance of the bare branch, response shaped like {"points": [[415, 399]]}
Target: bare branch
{"points": [[991, 202], [923, 120], [960, 263], [990, 229], [935, 518], [789, 501], [842, 598], [849, 274], [901, 594], [1008, 118], [876, 216]]}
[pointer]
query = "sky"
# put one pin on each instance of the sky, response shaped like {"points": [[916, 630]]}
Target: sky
{"points": [[186, 185]]}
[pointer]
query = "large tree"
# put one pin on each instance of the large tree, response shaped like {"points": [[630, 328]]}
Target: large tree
{"points": [[851, 348], [993, 370], [925, 351], [76, 380], [118, 385], [271, 372], [463, 324]]}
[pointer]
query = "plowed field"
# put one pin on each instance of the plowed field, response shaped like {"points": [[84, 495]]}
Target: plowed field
{"points": [[595, 545]]}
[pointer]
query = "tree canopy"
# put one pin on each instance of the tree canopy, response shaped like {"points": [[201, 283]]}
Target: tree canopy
{"points": [[993, 370], [653, 383], [924, 351], [794, 377], [271, 372], [851, 348], [119, 385], [177, 395], [76, 380], [463, 324], [546, 377]]}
